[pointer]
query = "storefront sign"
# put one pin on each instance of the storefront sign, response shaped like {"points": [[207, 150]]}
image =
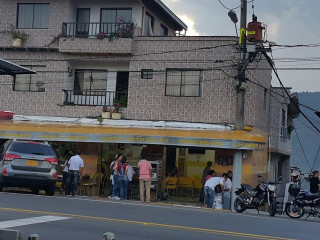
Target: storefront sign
{"points": [[160, 140]]}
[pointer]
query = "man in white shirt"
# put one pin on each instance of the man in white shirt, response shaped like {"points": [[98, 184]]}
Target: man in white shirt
{"points": [[75, 166], [209, 189], [227, 192]]}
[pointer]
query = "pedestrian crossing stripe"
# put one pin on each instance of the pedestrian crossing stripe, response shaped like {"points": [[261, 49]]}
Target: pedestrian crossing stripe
{"points": [[29, 221]]}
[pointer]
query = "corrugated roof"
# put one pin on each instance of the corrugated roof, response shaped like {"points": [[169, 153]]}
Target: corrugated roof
{"points": [[9, 68]]}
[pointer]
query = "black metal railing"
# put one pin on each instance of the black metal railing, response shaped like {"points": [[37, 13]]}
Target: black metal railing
{"points": [[285, 135], [98, 29], [94, 98]]}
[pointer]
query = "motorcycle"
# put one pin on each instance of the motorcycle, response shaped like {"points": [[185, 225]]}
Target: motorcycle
{"points": [[304, 203], [255, 198]]}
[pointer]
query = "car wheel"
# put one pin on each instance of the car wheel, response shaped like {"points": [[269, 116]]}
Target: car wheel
{"points": [[50, 190], [1, 187]]}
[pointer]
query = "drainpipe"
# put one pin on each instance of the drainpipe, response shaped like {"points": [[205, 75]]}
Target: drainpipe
{"points": [[269, 157]]}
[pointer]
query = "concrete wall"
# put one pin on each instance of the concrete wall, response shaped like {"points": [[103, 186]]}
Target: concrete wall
{"points": [[278, 102], [59, 10], [56, 78], [218, 101], [147, 100]]}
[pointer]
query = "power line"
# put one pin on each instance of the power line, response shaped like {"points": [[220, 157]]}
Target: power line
{"points": [[305, 157], [234, 7], [314, 162], [310, 128], [276, 73]]}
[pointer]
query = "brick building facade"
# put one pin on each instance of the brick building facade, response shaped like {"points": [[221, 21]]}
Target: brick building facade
{"points": [[57, 52]]}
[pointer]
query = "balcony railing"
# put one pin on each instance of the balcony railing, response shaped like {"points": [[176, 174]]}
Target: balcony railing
{"points": [[93, 98], [97, 29], [285, 135]]}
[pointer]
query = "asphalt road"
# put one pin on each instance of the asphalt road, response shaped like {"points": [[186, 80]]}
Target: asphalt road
{"points": [[84, 218]]}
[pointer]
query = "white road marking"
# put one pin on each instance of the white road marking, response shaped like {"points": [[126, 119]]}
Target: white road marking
{"points": [[186, 206], [29, 221]]}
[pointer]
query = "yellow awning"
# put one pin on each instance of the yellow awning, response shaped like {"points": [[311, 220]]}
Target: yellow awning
{"points": [[126, 134]]}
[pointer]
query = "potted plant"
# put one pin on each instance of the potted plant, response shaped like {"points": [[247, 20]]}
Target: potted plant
{"points": [[101, 35], [18, 37], [105, 113], [116, 114]]}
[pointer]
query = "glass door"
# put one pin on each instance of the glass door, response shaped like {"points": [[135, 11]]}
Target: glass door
{"points": [[83, 22]]}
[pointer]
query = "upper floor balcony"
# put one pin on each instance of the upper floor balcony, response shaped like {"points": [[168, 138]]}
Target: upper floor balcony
{"points": [[97, 37]]}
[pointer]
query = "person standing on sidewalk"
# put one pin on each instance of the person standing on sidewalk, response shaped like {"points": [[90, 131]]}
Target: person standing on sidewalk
{"points": [[205, 173], [315, 182], [122, 172], [75, 166], [227, 192], [130, 175], [65, 172], [116, 175], [145, 169]]}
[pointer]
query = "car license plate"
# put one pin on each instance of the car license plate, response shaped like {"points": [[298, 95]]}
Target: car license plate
{"points": [[32, 163]]}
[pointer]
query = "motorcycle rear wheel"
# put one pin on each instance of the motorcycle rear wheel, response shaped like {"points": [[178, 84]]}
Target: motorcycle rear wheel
{"points": [[273, 207], [294, 210], [239, 205]]}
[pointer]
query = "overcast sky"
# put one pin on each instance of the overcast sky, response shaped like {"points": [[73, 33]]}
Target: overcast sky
{"points": [[288, 22]]}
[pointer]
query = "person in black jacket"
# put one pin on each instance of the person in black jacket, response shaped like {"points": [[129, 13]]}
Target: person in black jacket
{"points": [[315, 182]]}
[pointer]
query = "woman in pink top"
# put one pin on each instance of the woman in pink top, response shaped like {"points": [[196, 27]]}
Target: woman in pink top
{"points": [[144, 177]]}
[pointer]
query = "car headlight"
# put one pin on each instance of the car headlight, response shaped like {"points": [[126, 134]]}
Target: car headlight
{"points": [[272, 188]]}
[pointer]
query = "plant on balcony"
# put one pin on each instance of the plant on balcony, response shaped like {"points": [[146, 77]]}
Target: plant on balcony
{"points": [[17, 36], [105, 113], [125, 30], [117, 107], [101, 35], [116, 114]]}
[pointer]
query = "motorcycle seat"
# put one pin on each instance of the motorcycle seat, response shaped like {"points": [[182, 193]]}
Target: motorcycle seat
{"points": [[247, 187], [311, 196]]}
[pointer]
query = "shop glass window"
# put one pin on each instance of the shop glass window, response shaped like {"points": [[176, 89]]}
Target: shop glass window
{"points": [[183, 83], [30, 82], [90, 82], [33, 16], [147, 73]]}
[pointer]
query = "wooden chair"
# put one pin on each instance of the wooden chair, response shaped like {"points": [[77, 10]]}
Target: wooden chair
{"points": [[171, 184], [186, 183], [92, 183], [197, 184]]}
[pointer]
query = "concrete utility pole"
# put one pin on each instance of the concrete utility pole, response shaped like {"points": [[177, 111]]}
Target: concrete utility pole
{"points": [[242, 67]]}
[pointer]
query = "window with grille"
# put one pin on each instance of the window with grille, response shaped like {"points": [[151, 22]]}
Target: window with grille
{"points": [[183, 83], [90, 82], [147, 73], [31, 82], [33, 16]]}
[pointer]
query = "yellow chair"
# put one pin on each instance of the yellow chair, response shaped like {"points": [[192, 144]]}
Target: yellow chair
{"points": [[197, 183], [186, 183], [92, 183], [171, 184]]}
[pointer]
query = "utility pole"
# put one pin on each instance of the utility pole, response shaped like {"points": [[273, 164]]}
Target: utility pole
{"points": [[242, 67]]}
